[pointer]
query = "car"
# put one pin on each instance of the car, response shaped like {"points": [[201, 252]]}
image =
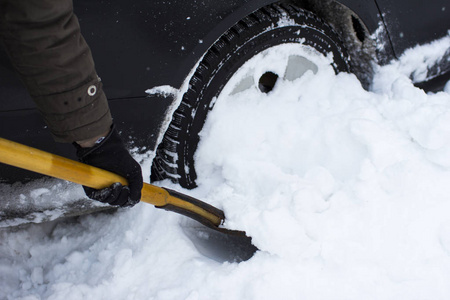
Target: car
{"points": [[163, 63]]}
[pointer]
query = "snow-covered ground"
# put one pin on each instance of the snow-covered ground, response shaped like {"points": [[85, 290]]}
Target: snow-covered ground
{"points": [[346, 192]]}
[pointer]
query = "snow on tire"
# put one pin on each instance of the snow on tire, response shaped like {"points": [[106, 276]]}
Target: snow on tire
{"points": [[265, 29]]}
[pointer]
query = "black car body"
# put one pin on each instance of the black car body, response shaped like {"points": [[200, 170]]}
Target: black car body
{"points": [[143, 44]]}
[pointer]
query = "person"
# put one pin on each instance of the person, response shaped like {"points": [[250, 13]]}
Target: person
{"points": [[44, 42]]}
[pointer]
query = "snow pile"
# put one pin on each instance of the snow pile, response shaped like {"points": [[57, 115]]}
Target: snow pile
{"points": [[346, 192]]}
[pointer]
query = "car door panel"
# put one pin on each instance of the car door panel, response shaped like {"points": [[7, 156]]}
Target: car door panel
{"points": [[415, 22]]}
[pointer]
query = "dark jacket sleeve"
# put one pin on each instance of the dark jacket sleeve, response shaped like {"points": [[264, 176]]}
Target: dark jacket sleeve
{"points": [[44, 42]]}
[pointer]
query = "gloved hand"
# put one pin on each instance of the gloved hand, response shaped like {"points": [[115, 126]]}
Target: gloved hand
{"points": [[110, 154]]}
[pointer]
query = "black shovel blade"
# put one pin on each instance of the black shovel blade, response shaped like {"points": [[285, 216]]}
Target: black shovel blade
{"points": [[213, 241], [220, 244]]}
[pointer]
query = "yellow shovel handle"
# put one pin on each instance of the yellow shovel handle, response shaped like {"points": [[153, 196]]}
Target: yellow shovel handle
{"points": [[49, 164]]}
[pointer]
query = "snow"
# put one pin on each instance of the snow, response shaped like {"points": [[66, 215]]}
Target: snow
{"points": [[345, 192]]}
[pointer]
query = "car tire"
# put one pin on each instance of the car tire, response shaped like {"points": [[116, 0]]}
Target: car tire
{"points": [[265, 28]]}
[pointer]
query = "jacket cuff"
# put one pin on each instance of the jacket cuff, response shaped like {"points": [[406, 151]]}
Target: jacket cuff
{"points": [[78, 114]]}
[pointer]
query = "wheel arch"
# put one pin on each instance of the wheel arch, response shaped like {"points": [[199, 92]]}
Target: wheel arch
{"points": [[355, 20]]}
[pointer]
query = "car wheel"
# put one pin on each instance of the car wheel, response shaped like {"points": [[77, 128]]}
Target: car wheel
{"points": [[263, 30]]}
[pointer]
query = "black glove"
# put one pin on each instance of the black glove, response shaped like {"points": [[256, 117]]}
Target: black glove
{"points": [[111, 155]]}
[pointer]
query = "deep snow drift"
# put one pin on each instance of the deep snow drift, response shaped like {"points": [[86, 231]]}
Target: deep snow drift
{"points": [[346, 192]]}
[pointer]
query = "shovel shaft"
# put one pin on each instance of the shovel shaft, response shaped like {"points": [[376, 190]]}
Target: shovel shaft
{"points": [[49, 164]]}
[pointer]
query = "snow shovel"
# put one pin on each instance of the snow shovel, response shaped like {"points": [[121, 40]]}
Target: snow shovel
{"points": [[210, 239]]}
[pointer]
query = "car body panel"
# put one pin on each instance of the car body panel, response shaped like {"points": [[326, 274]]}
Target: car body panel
{"points": [[415, 22]]}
